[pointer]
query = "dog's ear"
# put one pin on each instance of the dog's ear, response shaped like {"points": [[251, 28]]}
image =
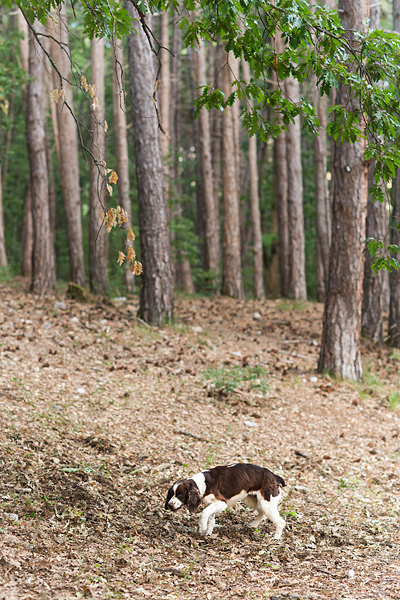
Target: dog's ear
{"points": [[193, 498], [169, 496]]}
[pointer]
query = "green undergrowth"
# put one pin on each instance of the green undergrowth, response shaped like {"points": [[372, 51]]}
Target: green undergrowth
{"points": [[230, 380], [372, 386]]}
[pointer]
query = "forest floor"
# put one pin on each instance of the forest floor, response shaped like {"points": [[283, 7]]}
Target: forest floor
{"points": [[100, 414]]}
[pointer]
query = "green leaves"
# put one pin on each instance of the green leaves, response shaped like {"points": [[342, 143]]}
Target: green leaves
{"points": [[382, 256], [102, 18], [315, 42], [106, 18]]}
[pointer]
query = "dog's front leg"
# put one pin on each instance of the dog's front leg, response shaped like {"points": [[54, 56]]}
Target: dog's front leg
{"points": [[207, 517]]}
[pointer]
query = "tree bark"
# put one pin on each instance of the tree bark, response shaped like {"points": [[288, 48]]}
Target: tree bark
{"points": [[173, 174], [98, 272], [340, 346], [47, 105], [68, 149], [43, 273], [50, 179], [27, 233], [281, 194], [156, 297], [121, 144], [216, 58], [27, 223], [322, 201], [210, 205], [281, 199], [322, 197], [165, 89], [232, 284], [3, 253], [297, 282], [394, 276], [376, 226], [258, 281], [182, 270]]}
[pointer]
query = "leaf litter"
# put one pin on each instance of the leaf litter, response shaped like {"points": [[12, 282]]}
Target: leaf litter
{"points": [[100, 414]]}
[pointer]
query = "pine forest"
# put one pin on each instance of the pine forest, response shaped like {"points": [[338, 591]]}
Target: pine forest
{"points": [[199, 266]]}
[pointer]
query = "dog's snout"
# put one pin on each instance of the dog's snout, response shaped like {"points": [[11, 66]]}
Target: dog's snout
{"points": [[174, 504]]}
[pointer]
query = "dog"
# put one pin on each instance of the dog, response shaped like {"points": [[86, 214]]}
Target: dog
{"points": [[224, 486]]}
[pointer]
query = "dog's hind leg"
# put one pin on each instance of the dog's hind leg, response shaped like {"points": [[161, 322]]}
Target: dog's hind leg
{"points": [[260, 517], [270, 510], [252, 502], [207, 517]]}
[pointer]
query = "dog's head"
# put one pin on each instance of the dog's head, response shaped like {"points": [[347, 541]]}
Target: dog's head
{"points": [[183, 493]]}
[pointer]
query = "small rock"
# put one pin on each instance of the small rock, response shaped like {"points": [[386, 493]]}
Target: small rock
{"points": [[256, 316], [81, 391], [197, 329], [313, 379], [11, 517], [74, 319], [250, 424], [120, 299], [238, 353], [59, 306], [351, 573]]}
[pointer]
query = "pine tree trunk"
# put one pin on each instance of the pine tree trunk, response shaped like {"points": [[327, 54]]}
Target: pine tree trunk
{"points": [[376, 226], [231, 264], [27, 234], [297, 282], [281, 201], [340, 346], [174, 134], [51, 184], [121, 144], [27, 222], [68, 149], [156, 298], [43, 273], [97, 193], [3, 254], [322, 200], [216, 59], [255, 206], [165, 88], [394, 276], [49, 105], [210, 205], [182, 270]]}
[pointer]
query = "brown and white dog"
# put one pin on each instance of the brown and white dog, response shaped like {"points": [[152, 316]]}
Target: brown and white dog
{"points": [[223, 487]]}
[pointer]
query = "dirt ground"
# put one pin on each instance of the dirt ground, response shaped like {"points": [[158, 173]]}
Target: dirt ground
{"points": [[100, 414]]}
